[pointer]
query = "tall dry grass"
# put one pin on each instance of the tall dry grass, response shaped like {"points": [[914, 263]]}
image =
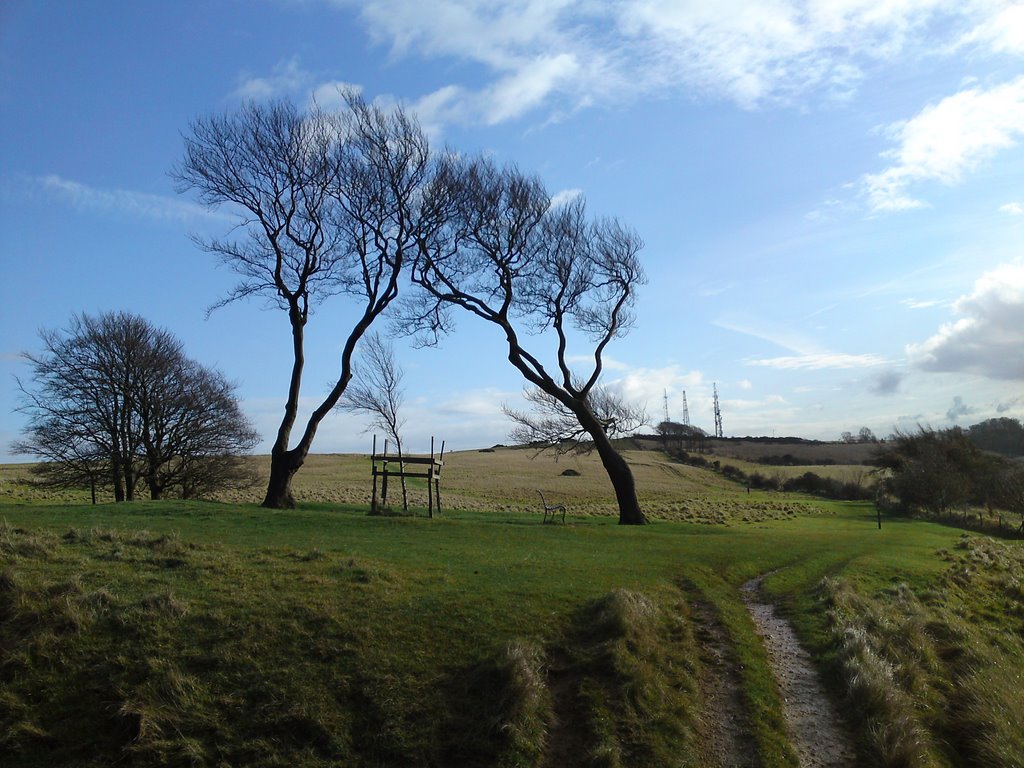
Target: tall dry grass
{"points": [[935, 677]]}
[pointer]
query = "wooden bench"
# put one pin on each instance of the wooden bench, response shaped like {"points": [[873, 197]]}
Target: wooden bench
{"points": [[551, 509]]}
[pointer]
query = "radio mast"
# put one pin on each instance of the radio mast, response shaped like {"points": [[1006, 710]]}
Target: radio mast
{"points": [[686, 411], [666, 407], [718, 414]]}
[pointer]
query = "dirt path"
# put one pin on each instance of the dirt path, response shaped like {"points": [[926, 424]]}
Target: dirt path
{"points": [[567, 740], [818, 735], [724, 722]]}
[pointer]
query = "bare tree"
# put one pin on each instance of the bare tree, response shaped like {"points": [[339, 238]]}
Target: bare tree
{"points": [[508, 257], [549, 425], [327, 204], [113, 399], [194, 432], [376, 391]]}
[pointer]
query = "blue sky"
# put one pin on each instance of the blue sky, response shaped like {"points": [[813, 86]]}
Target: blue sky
{"points": [[831, 193]]}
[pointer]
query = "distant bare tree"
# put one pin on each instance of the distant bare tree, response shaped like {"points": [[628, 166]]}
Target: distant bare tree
{"points": [[550, 425], [328, 204], [113, 400], [69, 457], [508, 257], [376, 391]]}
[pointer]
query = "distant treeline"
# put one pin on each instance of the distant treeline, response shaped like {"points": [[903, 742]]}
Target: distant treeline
{"points": [[808, 482]]}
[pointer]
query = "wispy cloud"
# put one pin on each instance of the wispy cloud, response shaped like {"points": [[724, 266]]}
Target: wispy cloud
{"points": [[287, 77], [794, 341], [121, 201], [808, 354], [945, 141], [1012, 209], [819, 361], [988, 337], [919, 304], [583, 53]]}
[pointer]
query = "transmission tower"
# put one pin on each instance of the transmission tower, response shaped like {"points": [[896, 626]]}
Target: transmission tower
{"points": [[686, 411], [666, 407], [718, 414]]}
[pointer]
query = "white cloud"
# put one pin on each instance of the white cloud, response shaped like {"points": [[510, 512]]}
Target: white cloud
{"points": [[287, 77], [649, 385], [947, 140], [565, 196], [528, 86], [819, 361], [1012, 209], [123, 201], [1002, 32], [988, 338], [445, 105], [328, 96], [750, 53]]}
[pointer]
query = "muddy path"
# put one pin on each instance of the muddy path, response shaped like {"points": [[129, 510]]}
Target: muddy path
{"points": [[568, 739], [817, 733], [725, 723]]}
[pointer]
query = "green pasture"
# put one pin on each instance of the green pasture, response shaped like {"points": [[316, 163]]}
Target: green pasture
{"points": [[203, 633]]}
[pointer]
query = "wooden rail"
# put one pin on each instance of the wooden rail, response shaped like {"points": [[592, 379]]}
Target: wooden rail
{"points": [[382, 464]]}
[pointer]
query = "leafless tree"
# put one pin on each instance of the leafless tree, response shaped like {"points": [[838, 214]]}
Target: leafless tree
{"points": [[507, 256], [328, 204], [113, 400], [549, 425], [376, 391]]}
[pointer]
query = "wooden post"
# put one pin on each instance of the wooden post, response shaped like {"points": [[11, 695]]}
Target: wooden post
{"points": [[384, 482], [430, 493], [437, 477], [373, 463]]}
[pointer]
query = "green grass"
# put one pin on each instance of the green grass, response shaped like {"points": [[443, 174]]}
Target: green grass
{"points": [[210, 633]]}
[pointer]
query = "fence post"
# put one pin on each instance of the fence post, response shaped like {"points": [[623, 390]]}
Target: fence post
{"points": [[437, 477], [373, 464]]}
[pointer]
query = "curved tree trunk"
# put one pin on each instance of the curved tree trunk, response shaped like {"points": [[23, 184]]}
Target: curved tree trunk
{"points": [[618, 470], [622, 481]]}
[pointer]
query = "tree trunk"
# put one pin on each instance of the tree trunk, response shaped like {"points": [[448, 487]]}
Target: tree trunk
{"points": [[401, 464], [153, 481], [618, 471], [283, 466], [117, 479]]}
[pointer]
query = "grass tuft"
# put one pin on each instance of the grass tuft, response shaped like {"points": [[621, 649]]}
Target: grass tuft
{"points": [[635, 661], [927, 677]]}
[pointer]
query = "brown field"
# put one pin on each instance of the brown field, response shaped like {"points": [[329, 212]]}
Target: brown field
{"points": [[506, 480]]}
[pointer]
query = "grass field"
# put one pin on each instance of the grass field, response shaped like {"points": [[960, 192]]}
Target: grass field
{"points": [[205, 633]]}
